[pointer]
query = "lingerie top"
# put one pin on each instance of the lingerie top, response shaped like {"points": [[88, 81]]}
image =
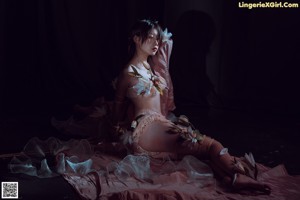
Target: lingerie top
{"points": [[146, 83], [156, 80]]}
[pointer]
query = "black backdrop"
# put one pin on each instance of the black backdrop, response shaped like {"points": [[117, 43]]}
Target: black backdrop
{"points": [[57, 53]]}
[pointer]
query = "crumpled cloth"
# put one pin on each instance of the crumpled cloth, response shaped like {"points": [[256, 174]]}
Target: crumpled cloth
{"points": [[99, 175]]}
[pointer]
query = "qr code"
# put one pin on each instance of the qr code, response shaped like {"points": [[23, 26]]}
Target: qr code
{"points": [[9, 190]]}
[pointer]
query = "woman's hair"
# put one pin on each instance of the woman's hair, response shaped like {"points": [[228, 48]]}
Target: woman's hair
{"points": [[142, 29]]}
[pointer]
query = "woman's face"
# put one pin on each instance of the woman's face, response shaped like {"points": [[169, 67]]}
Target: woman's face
{"points": [[150, 45]]}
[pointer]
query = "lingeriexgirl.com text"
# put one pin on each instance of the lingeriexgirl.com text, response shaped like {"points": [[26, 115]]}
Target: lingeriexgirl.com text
{"points": [[270, 4]]}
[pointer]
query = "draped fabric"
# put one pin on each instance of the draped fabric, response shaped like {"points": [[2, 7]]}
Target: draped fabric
{"points": [[96, 173], [53, 157], [177, 185]]}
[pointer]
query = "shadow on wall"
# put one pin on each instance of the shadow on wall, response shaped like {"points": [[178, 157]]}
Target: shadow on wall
{"points": [[193, 35]]}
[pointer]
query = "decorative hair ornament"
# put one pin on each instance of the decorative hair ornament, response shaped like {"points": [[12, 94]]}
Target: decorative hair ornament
{"points": [[166, 35]]}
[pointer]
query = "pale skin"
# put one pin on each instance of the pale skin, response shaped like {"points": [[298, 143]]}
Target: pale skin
{"points": [[142, 103], [140, 60], [157, 136]]}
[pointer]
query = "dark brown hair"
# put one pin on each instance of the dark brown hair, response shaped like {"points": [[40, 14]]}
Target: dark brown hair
{"points": [[142, 29]]}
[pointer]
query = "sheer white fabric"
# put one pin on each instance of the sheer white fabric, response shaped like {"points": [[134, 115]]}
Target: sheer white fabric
{"points": [[53, 157]]}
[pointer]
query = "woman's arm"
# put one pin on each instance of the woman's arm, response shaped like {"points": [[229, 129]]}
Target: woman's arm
{"points": [[160, 63]]}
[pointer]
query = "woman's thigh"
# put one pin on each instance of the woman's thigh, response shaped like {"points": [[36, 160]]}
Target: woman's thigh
{"points": [[157, 136]]}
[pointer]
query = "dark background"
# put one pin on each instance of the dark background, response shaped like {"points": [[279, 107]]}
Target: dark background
{"points": [[235, 70], [56, 53]]}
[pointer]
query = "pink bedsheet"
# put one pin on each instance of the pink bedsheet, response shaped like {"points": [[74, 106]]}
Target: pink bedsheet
{"points": [[178, 185]]}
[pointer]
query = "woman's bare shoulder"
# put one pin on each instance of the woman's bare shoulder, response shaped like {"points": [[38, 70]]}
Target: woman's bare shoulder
{"points": [[126, 71]]}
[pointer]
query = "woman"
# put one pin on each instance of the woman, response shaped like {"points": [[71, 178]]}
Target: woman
{"points": [[146, 85]]}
